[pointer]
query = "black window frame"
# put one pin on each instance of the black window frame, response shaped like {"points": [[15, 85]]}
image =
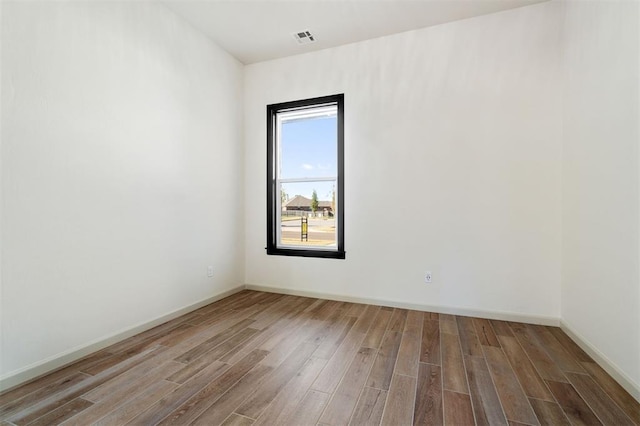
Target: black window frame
{"points": [[272, 193]]}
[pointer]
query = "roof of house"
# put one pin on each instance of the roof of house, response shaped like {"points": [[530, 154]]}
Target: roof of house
{"points": [[300, 201]]}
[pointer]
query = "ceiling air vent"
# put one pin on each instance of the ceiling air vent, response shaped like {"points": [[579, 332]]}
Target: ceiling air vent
{"points": [[304, 37]]}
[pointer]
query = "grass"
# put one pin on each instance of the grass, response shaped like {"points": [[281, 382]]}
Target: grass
{"points": [[311, 242], [289, 218]]}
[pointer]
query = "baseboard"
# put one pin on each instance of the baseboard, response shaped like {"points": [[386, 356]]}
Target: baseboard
{"points": [[33, 371], [497, 315], [610, 367]]}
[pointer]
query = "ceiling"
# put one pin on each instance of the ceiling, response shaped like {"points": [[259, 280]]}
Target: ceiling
{"points": [[259, 30]]}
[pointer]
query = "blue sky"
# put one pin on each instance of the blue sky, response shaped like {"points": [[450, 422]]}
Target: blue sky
{"points": [[309, 149]]}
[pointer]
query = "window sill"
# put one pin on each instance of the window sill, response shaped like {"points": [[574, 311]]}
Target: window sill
{"points": [[321, 254]]}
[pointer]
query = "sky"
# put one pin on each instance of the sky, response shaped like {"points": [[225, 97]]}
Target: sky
{"points": [[309, 149]]}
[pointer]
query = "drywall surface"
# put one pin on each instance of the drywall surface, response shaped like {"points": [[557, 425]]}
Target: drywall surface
{"points": [[121, 172], [452, 164], [600, 278]]}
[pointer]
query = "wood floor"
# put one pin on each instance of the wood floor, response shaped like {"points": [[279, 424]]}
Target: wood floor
{"points": [[268, 359]]}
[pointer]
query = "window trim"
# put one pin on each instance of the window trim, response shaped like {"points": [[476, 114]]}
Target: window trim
{"points": [[272, 204]]}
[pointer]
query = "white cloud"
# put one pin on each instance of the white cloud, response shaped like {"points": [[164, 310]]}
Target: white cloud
{"points": [[307, 166]]}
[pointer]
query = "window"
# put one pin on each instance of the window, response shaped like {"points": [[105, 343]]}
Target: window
{"points": [[305, 167]]}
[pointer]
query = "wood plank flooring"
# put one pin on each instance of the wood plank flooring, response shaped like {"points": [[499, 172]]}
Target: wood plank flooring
{"points": [[267, 359]]}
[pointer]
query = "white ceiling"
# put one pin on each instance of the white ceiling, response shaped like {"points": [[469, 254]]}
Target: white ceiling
{"points": [[259, 30]]}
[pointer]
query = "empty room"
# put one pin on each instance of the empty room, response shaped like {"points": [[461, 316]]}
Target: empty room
{"points": [[320, 212]]}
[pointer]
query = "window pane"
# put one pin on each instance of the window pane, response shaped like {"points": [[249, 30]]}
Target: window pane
{"points": [[305, 164], [297, 206], [308, 146]]}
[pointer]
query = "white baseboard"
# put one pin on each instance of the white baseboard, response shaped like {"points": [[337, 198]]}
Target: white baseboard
{"points": [[610, 367], [58, 361], [497, 315]]}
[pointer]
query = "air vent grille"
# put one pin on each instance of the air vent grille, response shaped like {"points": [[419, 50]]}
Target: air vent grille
{"points": [[304, 37]]}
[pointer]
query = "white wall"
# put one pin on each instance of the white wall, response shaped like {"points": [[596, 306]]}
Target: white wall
{"points": [[452, 159], [121, 172], [601, 174]]}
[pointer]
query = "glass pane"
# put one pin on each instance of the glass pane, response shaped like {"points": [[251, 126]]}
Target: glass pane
{"points": [[308, 145], [304, 222]]}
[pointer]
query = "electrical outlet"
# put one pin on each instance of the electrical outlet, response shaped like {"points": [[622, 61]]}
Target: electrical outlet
{"points": [[427, 277], [209, 271]]}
